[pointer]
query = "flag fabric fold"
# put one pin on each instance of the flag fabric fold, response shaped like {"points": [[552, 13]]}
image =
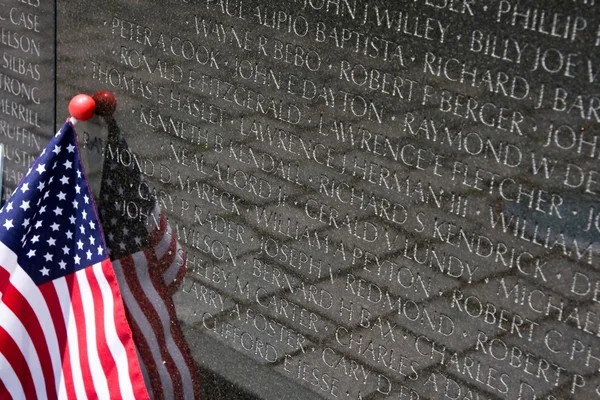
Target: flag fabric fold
{"points": [[149, 264], [63, 330]]}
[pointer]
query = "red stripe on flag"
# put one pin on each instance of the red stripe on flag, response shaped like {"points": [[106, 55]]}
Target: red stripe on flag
{"points": [[131, 276], [4, 394], [107, 361], [123, 329], [20, 306], [15, 358], [78, 315], [144, 349], [156, 269], [157, 235], [48, 291], [4, 280], [175, 327], [147, 359], [158, 266]]}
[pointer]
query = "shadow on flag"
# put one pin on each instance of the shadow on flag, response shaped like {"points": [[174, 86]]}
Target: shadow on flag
{"points": [[149, 264]]}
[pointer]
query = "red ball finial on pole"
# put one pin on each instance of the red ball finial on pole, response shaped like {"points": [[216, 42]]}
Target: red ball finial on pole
{"points": [[106, 104], [82, 107]]}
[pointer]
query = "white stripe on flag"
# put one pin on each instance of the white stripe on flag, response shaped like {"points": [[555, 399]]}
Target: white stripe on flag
{"points": [[30, 291], [62, 390], [114, 344], [89, 312], [141, 261], [8, 259], [165, 241], [145, 327], [64, 298], [10, 379], [170, 274], [32, 295], [15, 329]]}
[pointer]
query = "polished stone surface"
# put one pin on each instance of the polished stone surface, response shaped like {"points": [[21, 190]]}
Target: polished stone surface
{"points": [[27, 82], [378, 199]]}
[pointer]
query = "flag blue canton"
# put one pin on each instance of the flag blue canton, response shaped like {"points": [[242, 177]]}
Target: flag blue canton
{"points": [[50, 220]]}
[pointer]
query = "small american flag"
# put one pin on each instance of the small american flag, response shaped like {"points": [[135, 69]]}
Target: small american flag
{"points": [[63, 332], [149, 264]]}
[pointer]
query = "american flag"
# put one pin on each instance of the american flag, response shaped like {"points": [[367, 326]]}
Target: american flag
{"points": [[63, 332], [149, 264]]}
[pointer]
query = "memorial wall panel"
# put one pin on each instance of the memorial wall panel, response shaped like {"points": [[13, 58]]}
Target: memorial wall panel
{"points": [[27, 33], [376, 199]]}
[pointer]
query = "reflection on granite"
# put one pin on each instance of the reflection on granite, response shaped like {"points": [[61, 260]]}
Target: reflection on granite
{"points": [[379, 200]]}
